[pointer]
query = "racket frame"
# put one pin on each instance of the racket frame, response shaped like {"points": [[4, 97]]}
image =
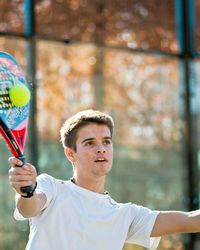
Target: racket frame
{"points": [[8, 134]]}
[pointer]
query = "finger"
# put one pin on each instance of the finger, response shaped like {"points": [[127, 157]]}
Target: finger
{"points": [[17, 185], [29, 167], [18, 178], [26, 168], [13, 161], [18, 171]]}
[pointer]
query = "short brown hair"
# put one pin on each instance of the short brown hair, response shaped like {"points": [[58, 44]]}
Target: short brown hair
{"points": [[71, 126]]}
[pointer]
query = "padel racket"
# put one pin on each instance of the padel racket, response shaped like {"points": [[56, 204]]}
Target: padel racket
{"points": [[13, 120]]}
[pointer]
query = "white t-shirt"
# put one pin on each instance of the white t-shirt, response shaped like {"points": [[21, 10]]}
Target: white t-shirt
{"points": [[75, 218]]}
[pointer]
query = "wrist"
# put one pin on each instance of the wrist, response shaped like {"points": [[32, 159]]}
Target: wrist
{"points": [[30, 193]]}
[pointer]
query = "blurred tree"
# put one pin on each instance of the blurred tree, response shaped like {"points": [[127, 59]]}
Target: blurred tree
{"points": [[11, 16], [125, 23]]}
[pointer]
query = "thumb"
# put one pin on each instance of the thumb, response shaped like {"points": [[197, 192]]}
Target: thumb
{"points": [[28, 167]]}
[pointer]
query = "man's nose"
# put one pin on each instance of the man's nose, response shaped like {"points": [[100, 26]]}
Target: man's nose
{"points": [[100, 149]]}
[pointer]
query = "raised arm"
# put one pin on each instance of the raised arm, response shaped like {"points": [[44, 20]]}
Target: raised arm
{"points": [[171, 222], [24, 176]]}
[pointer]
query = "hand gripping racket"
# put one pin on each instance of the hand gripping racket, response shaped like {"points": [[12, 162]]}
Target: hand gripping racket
{"points": [[13, 119]]}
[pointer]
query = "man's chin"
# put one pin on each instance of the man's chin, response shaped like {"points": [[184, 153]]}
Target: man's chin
{"points": [[103, 170]]}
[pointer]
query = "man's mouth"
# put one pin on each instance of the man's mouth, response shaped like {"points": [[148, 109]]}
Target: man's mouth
{"points": [[101, 160]]}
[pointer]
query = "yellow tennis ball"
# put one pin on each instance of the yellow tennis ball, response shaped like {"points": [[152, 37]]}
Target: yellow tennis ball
{"points": [[19, 95]]}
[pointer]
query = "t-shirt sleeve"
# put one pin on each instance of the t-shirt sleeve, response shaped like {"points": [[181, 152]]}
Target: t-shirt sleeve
{"points": [[46, 185], [141, 227]]}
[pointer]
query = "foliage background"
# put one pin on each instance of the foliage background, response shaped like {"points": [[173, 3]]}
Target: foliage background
{"points": [[117, 56]]}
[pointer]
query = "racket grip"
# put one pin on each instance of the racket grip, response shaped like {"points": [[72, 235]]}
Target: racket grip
{"points": [[27, 189], [22, 158]]}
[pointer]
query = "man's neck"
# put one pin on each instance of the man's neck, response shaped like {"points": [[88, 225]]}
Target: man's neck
{"points": [[96, 185]]}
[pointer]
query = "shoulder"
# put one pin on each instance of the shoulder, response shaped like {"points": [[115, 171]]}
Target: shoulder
{"points": [[43, 177], [134, 210], [46, 182], [49, 182]]}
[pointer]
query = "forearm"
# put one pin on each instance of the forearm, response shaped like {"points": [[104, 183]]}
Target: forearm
{"points": [[30, 207], [172, 222], [193, 224]]}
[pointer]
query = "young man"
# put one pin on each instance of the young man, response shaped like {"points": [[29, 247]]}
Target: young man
{"points": [[77, 214]]}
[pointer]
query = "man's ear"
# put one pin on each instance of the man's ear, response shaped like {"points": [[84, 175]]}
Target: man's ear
{"points": [[69, 152]]}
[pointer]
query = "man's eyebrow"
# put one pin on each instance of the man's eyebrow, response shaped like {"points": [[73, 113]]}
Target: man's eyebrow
{"points": [[92, 139], [87, 139], [108, 138]]}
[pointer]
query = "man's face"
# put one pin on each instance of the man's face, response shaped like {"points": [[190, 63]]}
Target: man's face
{"points": [[94, 151]]}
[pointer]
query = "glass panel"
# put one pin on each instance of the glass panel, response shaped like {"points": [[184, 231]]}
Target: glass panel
{"points": [[12, 233], [142, 94], [64, 87], [15, 47], [132, 24], [196, 111], [12, 16], [197, 32], [196, 107]]}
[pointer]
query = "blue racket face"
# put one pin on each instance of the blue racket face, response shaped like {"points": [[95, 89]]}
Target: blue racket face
{"points": [[15, 118], [11, 74]]}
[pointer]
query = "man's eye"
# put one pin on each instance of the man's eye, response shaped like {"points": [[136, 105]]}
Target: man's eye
{"points": [[106, 142], [88, 143]]}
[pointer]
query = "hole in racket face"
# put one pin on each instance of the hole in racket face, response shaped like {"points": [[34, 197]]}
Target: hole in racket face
{"points": [[5, 102], [6, 81]]}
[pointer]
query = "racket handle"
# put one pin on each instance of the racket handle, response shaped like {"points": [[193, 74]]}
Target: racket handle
{"points": [[22, 158], [27, 189]]}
